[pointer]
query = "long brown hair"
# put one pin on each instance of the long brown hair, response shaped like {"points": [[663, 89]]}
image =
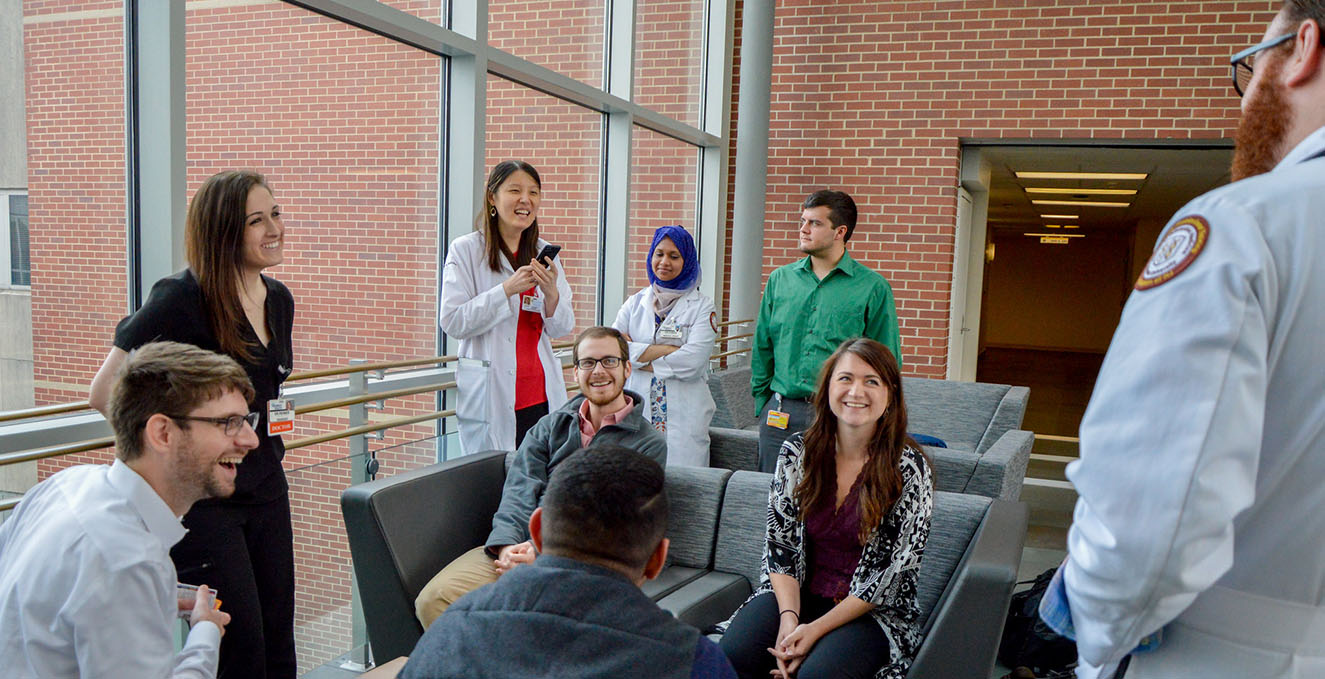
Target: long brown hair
{"points": [[881, 482], [214, 242], [487, 218]]}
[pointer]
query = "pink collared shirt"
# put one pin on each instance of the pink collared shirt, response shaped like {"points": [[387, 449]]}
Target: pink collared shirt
{"points": [[587, 430]]}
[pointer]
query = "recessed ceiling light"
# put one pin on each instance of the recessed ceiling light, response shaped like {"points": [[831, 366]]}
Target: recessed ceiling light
{"points": [[1056, 235], [1053, 226], [1060, 216], [1081, 175], [1080, 203], [1086, 192], [1071, 226]]}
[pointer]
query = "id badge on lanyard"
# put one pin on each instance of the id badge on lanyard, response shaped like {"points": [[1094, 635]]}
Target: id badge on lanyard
{"points": [[777, 418]]}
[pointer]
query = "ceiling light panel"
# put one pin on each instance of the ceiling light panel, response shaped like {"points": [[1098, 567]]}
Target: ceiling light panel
{"points": [[1080, 203], [1084, 192], [1060, 216], [1082, 175]]}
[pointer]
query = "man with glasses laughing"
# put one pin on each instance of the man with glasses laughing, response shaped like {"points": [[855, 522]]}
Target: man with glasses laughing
{"points": [[603, 413], [87, 587], [1201, 520]]}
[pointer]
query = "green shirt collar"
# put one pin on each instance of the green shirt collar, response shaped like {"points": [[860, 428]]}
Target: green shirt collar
{"points": [[846, 265]]}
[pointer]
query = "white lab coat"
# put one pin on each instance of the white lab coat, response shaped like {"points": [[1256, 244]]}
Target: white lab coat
{"points": [[476, 311], [1202, 470], [684, 372]]}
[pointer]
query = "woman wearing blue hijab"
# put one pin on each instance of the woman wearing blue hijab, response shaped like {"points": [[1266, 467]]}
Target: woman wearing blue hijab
{"points": [[671, 327]]}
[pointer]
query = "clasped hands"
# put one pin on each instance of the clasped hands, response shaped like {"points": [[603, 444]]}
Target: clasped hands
{"points": [[794, 641], [511, 556]]}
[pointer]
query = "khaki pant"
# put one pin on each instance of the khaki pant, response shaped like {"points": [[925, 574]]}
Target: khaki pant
{"points": [[468, 572]]}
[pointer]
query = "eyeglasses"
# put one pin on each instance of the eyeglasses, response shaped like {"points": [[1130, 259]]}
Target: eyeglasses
{"points": [[228, 424], [609, 362], [1242, 61]]}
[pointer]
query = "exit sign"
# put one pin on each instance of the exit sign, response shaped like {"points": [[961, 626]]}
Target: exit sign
{"points": [[1055, 240]]}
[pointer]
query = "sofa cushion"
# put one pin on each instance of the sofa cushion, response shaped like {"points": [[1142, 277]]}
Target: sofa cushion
{"points": [[669, 580], [957, 412], [744, 522], [956, 517], [734, 404], [735, 449], [694, 495]]}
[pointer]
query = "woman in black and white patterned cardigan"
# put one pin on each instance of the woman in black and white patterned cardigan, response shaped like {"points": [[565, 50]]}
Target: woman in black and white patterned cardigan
{"points": [[848, 516]]}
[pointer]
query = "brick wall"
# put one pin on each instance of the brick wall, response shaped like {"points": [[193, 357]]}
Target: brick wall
{"points": [[873, 98]]}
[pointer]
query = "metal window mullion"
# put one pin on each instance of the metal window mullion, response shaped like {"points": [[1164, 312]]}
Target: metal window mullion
{"points": [[155, 143], [6, 256], [619, 77], [615, 242], [715, 114]]}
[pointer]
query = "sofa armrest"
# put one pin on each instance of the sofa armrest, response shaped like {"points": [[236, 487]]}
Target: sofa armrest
{"points": [[1007, 416], [734, 449], [405, 528], [962, 635], [1000, 472]]}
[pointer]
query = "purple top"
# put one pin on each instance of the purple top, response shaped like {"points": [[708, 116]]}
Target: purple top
{"points": [[833, 538]]}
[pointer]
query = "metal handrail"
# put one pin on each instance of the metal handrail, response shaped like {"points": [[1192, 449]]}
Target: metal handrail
{"points": [[727, 323], [367, 429], [368, 398], [368, 367], [734, 337], [725, 354], [43, 411], [55, 451]]}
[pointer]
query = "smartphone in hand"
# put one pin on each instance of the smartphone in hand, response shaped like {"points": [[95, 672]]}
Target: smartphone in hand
{"points": [[548, 252]]}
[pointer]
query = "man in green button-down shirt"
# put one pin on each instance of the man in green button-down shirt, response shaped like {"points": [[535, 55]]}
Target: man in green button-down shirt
{"points": [[809, 308]]}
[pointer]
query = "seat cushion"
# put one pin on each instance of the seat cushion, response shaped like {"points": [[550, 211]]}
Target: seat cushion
{"points": [[743, 525], [669, 580], [957, 412], [708, 600], [952, 468], [694, 495]]}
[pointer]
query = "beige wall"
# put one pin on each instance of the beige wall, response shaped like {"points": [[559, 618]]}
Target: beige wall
{"points": [[1056, 296]]}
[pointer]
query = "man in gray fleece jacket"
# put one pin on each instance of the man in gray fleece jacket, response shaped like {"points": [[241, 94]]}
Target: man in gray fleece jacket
{"points": [[603, 413]]}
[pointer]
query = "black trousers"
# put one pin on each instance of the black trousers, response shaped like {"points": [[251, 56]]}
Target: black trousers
{"points": [[855, 650], [246, 553], [526, 418], [771, 438]]}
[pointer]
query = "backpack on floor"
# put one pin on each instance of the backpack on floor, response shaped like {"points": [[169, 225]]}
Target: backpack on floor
{"points": [[1028, 642]]}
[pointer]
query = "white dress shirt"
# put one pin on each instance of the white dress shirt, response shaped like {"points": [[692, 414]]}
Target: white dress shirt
{"points": [[87, 588], [1202, 470]]}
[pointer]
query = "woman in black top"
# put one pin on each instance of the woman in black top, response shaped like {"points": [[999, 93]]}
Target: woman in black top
{"points": [[240, 546]]}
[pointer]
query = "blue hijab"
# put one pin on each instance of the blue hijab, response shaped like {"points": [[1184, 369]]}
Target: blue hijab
{"points": [[689, 276]]}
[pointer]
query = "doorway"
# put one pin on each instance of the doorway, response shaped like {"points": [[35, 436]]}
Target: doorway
{"points": [[1067, 226]]}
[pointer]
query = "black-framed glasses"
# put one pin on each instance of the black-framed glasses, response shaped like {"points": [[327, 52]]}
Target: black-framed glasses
{"points": [[609, 362], [230, 425], [1242, 61]]}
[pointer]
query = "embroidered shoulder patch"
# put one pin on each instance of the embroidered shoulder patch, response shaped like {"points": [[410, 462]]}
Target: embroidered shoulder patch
{"points": [[713, 320], [1178, 249]]}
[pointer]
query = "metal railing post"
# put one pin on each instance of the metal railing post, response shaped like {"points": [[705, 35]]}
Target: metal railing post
{"points": [[360, 459]]}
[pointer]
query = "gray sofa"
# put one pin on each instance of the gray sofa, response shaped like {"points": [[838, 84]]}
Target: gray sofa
{"points": [[986, 455], [403, 529]]}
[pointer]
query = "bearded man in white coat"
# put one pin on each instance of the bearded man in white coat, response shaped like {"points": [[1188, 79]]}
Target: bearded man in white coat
{"points": [[1202, 471]]}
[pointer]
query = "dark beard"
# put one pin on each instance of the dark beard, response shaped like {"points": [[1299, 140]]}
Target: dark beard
{"points": [[1262, 127]]}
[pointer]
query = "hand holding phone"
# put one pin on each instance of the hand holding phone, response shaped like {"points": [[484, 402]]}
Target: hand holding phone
{"points": [[547, 254]]}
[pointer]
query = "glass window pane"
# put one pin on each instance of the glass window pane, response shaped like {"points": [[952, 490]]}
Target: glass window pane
{"points": [[432, 10], [566, 36], [345, 125], [20, 272], [663, 178], [73, 103], [669, 57], [564, 143]]}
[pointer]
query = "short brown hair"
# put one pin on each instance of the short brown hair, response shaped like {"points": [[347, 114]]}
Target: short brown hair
{"points": [[600, 331], [167, 378]]}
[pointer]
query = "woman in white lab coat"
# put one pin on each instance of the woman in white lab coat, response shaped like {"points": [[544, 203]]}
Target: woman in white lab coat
{"points": [[505, 307], [671, 327]]}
